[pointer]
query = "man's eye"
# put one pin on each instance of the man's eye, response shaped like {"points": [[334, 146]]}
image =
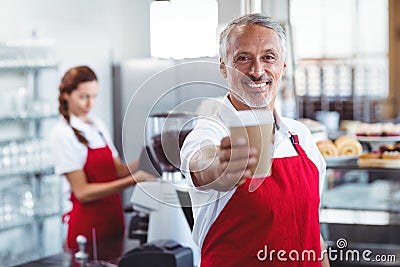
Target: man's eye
{"points": [[269, 57], [242, 58]]}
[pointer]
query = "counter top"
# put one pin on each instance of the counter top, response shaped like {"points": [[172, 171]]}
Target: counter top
{"points": [[108, 254]]}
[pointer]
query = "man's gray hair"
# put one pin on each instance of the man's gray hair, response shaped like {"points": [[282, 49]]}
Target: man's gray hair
{"points": [[251, 19]]}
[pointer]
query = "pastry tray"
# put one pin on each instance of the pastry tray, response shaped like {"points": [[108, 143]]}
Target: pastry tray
{"points": [[379, 163]]}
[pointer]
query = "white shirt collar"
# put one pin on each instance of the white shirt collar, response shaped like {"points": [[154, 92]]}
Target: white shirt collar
{"points": [[78, 123], [91, 130]]}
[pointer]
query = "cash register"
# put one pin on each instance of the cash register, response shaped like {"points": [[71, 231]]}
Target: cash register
{"points": [[163, 218]]}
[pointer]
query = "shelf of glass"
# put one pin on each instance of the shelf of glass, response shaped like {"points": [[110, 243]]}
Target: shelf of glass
{"points": [[359, 217], [32, 200], [27, 65], [47, 215], [29, 221], [18, 140], [10, 119], [372, 203], [16, 225], [354, 166], [36, 172]]}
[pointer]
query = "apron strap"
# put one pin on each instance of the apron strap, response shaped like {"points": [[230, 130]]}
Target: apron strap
{"points": [[294, 138], [102, 136], [65, 217], [104, 139]]}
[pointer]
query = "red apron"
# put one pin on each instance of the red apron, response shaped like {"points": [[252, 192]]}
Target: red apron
{"points": [[282, 214], [105, 214]]}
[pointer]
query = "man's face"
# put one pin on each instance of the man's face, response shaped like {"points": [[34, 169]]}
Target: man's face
{"points": [[254, 66]]}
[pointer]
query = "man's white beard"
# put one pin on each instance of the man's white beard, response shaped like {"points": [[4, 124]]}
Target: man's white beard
{"points": [[255, 101]]}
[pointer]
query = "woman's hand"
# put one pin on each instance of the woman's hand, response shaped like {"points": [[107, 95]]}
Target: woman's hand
{"points": [[141, 176]]}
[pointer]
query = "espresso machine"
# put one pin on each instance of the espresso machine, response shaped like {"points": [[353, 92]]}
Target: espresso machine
{"points": [[166, 199]]}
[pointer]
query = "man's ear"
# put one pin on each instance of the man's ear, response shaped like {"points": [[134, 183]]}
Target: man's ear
{"points": [[283, 69], [222, 68]]}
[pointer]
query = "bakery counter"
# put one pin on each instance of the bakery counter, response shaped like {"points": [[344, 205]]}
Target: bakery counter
{"points": [[352, 164], [361, 205], [108, 254]]}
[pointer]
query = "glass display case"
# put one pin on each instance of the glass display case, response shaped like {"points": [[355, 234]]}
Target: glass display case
{"points": [[360, 212]]}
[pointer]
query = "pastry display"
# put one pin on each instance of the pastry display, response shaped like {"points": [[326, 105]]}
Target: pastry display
{"points": [[391, 151], [378, 129], [348, 145], [388, 156], [370, 156], [395, 147], [391, 155], [390, 129], [327, 148], [349, 127], [343, 146]]}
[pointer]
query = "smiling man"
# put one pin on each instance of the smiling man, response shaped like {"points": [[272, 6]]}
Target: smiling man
{"points": [[253, 62], [232, 223]]}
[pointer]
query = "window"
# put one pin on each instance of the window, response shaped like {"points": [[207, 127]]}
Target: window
{"points": [[341, 48], [183, 28]]}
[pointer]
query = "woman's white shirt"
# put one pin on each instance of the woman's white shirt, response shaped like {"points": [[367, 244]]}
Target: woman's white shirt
{"points": [[68, 153]]}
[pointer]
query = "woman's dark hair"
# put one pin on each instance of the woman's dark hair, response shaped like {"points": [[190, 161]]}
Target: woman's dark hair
{"points": [[70, 82]]}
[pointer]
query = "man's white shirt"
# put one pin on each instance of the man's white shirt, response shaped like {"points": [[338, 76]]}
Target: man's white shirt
{"points": [[207, 204]]}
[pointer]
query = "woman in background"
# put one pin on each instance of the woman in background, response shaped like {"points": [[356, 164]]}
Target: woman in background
{"points": [[85, 155]]}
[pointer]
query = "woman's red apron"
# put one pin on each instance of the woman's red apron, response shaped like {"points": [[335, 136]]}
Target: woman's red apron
{"points": [[104, 215], [282, 214]]}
